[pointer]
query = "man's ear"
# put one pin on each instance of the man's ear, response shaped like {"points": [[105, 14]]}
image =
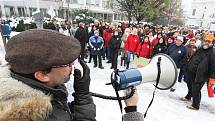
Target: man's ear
{"points": [[41, 76]]}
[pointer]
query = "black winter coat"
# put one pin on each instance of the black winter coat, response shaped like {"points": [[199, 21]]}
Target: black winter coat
{"points": [[202, 65], [159, 48], [114, 43], [178, 54], [61, 110], [82, 35]]}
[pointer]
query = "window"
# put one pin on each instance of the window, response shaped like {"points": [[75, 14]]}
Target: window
{"points": [[213, 16], [74, 1], [9, 11], [43, 10], [194, 12], [21, 11], [88, 2], [105, 16], [32, 10]]}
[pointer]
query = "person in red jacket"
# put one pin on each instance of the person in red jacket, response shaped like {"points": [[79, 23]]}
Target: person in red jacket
{"points": [[131, 45], [107, 34], [155, 40], [144, 48]]}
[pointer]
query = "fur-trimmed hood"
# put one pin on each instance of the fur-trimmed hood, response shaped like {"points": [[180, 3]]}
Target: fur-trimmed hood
{"points": [[20, 102]]}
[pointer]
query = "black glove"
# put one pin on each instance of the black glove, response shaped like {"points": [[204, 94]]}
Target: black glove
{"points": [[81, 85]]}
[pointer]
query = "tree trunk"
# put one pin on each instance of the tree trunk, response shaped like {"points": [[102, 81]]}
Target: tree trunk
{"points": [[129, 19]]}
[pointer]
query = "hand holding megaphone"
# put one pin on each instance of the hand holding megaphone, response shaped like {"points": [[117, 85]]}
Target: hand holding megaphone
{"points": [[167, 72]]}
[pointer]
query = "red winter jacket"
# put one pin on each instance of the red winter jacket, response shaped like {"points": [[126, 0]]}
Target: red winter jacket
{"points": [[132, 43], [144, 50], [190, 36], [107, 34], [155, 41]]}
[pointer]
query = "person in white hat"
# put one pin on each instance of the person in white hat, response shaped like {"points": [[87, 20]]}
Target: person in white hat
{"points": [[177, 52]]}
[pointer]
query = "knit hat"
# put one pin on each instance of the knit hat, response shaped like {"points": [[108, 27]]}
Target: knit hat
{"points": [[38, 50], [96, 32], [181, 38], [209, 37]]}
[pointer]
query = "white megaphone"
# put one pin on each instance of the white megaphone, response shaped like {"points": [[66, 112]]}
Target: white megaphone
{"points": [[161, 69]]}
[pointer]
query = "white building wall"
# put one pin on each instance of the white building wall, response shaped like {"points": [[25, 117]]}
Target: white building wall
{"points": [[28, 4], [95, 6], [204, 15]]}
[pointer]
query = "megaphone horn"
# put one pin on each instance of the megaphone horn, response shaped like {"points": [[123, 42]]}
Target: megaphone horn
{"points": [[136, 76]]}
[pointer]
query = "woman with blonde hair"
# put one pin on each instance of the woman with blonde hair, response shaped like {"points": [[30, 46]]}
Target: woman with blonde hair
{"points": [[122, 46]]}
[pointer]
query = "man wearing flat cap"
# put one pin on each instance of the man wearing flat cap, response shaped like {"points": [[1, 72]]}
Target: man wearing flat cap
{"points": [[32, 83], [201, 69]]}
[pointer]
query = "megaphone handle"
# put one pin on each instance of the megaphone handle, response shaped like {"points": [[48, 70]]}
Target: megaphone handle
{"points": [[157, 81], [159, 71]]}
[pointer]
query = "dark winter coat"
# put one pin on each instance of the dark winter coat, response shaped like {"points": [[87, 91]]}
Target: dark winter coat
{"points": [[96, 45], [82, 36], [159, 48], [25, 99], [190, 51], [6, 29], [178, 54], [114, 43], [28, 100], [202, 64]]}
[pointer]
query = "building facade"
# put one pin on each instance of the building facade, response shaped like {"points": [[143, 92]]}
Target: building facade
{"points": [[201, 13], [101, 9]]}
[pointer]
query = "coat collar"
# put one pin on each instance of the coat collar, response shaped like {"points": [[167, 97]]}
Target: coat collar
{"points": [[20, 102]]}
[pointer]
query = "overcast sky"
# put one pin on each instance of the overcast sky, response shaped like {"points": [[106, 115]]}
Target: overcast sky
{"points": [[186, 3]]}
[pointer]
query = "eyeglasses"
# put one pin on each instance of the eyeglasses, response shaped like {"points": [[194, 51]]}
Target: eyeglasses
{"points": [[70, 64], [208, 41]]}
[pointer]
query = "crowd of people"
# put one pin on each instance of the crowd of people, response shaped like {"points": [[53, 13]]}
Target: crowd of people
{"points": [[192, 50], [40, 60]]}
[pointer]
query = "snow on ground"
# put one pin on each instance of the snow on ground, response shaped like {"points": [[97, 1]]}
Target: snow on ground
{"points": [[166, 105]]}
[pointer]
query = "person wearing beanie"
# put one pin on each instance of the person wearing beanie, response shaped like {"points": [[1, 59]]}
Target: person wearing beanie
{"points": [[96, 43], [39, 62], [200, 69], [114, 45], [177, 52]]}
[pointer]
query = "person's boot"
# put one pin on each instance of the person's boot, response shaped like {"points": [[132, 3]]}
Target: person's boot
{"points": [[125, 61], [122, 58], [101, 67], [89, 60], [127, 67]]}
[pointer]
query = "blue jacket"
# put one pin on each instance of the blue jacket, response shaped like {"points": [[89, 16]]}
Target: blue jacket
{"points": [[96, 45], [6, 30], [178, 54]]}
